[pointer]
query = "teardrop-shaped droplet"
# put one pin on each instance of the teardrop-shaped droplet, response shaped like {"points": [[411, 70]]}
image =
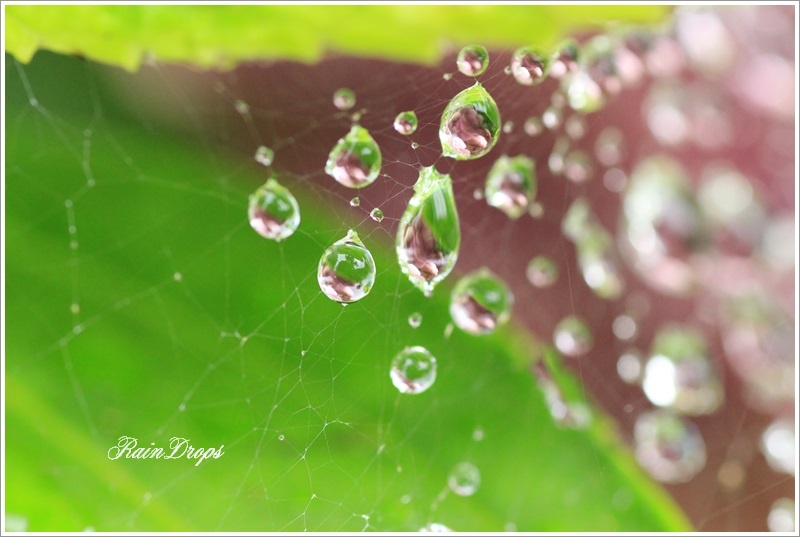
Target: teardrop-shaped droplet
{"points": [[429, 234], [355, 202], [565, 59], [679, 374], [415, 319], [480, 302], [406, 122], [355, 160], [413, 370], [572, 336], [464, 479], [346, 271], [264, 156], [669, 447], [473, 60], [344, 99], [470, 124], [511, 185], [566, 411], [273, 211], [529, 66], [376, 214], [542, 271]]}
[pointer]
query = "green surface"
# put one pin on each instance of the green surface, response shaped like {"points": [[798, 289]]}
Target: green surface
{"points": [[223, 35]]}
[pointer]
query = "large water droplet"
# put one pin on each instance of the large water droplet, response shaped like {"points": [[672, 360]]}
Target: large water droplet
{"points": [[542, 271], [273, 211], [565, 59], [529, 66], [572, 336], [344, 99], [779, 446], [465, 479], [429, 234], [355, 160], [346, 270], [511, 185], [473, 60], [679, 374], [669, 447], [413, 370], [480, 302], [264, 156], [406, 122], [470, 124]]}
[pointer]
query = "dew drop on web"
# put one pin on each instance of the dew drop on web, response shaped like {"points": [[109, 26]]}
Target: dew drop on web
{"points": [[264, 156], [464, 479], [529, 66], [470, 124], [346, 270], [355, 160], [511, 185], [376, 214], [480, 302], [572, 336], [273, 211], [413, 370], [406, 122], [472, 60], [415, 319], [542, 271], [344, 99], [668, 447]]}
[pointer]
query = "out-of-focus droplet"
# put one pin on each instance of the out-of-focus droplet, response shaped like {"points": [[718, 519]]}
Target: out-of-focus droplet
{"points": [[429, 234], [241, 107], [555, 161], [511, 185], [435, 527], [599, 264], [264, 155], [575, 127], [346, 270], [413, 370], [355, 160], [778, 245], [470, 124], [552, 117], [726, 197], [572, 336], [609, 146], [508, 127], [536, 210], [781, 516], [624, 328], [669, 447], [578, 166], [574, 413], [465, 479], [705, 40], [779, 446], [376, 214], [344, 99], [415, 319], [529, 66], [473, 60], [679, 374], [583, 93], [406, 122], [629, 367], [533, 126], [564, 59], [480, 302], [615, 180], [542, 271], [273, 211]]}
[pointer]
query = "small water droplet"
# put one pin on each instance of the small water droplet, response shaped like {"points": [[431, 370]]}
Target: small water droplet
{"points": [[470, 124], [542, 271], [376, 214], [578, 166], [414, 145], [273, 211], [731, 475], [75, 308], [508, 127], [536, 210], [564, 59], [344, 99], [406, 122], [624, 327], [511, 184], [668, 447], [473, 60], [242, 107], [629, 367], [477, 194], [575, 127], [464, 479], [281, 437], [615, 180], [355, 160], [447, 76], [781, 516], [779, 446], [480, 302], [533, 126], [448, 330], [415, 319], [609, 146], [552, 116], [177, 276], [435, 527], [182, 407], [413, 370], [583, 93], [598, 262], [346, 271], [264, 155], [355, 202], [529, 66], [572, 336], [429, 235], [478, 434]]}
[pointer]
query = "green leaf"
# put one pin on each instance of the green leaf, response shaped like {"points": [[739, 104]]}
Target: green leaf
{"points": [[163, 314], [221, 36]]}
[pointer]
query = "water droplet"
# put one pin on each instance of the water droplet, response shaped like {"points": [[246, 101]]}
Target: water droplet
{"points": [[511, 184], [608, 147], [273, 211], [75, 308], [583, 93], [533, 126], [564, 59], [778, 444], [355, 202], [624, 327], [429, 234], [572, 336], [344, 99], [477, 194], [575, 127], [414, 145], [376, 214], [508, 127], [182, 407], [281, 437], [536, 210], [615, 180], [478, 434], [529, 66], [731, 475], [598, 261], [480, 302], [706, 41], [346, 270], [552, 116], [242, 107], [355, 160], [435, 527], [177, 276], [578, 166], [669, 447], [542, 271], [781, 516], [406, 122], [447, 76], [265, 155], [470, 124], [679, 375], [465, 479], [413, 370], [565, 413], [725, 195], [415, 319], [629, 367], [473, 60]]}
